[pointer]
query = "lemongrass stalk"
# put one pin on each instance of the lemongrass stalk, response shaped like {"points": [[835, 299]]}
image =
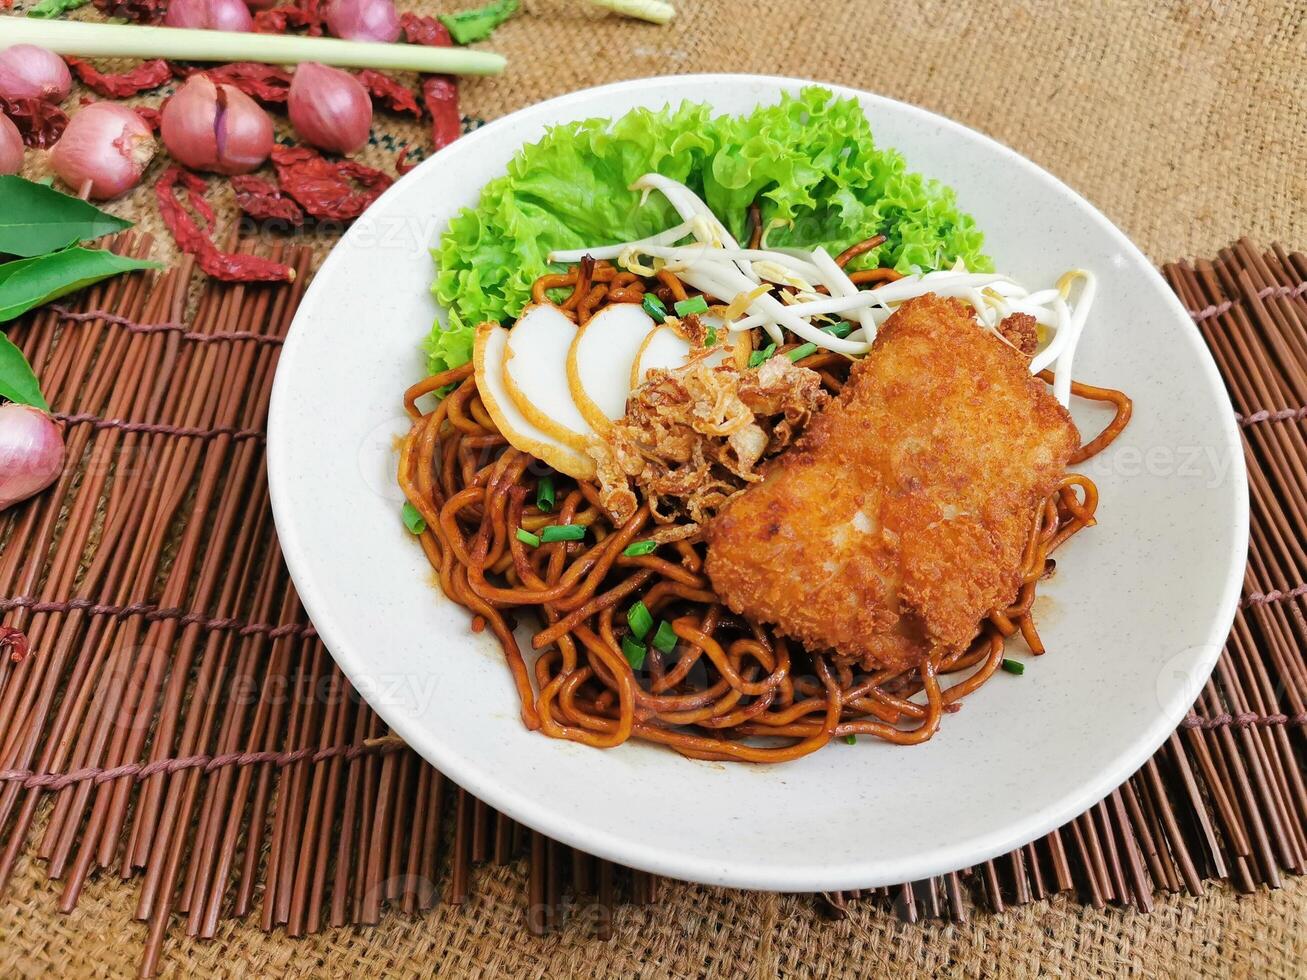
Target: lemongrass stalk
{"points": [[654, 11], [96, 40]]}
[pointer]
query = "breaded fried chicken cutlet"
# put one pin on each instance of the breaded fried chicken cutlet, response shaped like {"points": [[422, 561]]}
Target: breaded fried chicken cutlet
{"points": [[898, 521]]}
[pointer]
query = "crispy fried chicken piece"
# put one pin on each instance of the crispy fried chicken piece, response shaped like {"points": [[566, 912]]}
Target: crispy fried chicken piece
{"points": [[898, 520]]}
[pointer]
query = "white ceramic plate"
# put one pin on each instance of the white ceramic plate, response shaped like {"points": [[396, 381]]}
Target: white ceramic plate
{"points": [[1133, 621]]}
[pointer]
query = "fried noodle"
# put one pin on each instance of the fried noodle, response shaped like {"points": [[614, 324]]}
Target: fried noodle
{"points": [[731, 688]]}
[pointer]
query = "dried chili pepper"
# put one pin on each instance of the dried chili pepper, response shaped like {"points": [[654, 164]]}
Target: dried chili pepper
{"points": [[387, 91], [151, 116], [267, 83], [121, 85], [440, 96], [307, 14], [194, 240], [39, 122], [402, 163], [138, 11], [330, 189], [424, 30], [439, 92], [262, 200], [16, 640]]}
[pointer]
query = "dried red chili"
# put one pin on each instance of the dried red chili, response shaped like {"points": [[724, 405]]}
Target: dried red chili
{"points": [[331, 189], [424, 30], [139, 11], [267, 83], [194, 240], [16, 640], [262, 200], [151, 116], [402, 163], [439, 92], [387, 91], [121, 85], [307, 14], [440, 95], [39, 122]]}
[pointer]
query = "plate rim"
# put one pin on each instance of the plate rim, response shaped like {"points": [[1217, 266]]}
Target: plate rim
{"points": [[637, 854]]}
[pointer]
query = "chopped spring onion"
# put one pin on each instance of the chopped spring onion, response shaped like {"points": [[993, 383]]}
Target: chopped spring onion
{"points": [[1013, 666], [413, 519], [562, 532], [654, 307], [695, 304], [850, 740], [802, 351], [665, 638], [634, 652], [758, 356], [545, 494], [638, 548], [639, 619], [527, 538], [710, 338], [841, 329]]}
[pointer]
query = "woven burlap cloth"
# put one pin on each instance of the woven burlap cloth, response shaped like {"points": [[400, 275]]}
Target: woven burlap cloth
{"points": [[1185, 122]]}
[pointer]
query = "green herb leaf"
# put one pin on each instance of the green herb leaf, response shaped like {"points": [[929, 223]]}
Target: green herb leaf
{"points": [[53, 8], [654, 307], [695, 304], [477, 24], [841, 329], [1013, 666], [413, 519], [638, 548], [665, 638], [758, 356], [527, 538], [28, 283], [17, 381], [639, 620], [634, 652], [802, 351], [35, 219], [850, 740], [562, 532], [545, 494], [810, 160]]}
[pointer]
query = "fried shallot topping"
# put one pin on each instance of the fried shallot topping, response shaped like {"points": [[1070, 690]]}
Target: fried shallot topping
{"points": [[693, 437], [1021, 330]]}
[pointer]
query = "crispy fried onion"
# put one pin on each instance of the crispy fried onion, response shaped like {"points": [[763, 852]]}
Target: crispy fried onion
{"points": [[693, 437]]}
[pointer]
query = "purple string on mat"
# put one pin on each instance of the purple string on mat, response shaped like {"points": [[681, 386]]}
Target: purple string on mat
{"points": [[1275, 595], [158, 428], [1244, 719], [167, 327], [1280, 415], [30, 779], [152, 612], [1207, 312]]}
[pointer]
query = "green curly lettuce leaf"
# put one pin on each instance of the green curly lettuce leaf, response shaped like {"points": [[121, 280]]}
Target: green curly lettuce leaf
{"points": [[809, 160]]}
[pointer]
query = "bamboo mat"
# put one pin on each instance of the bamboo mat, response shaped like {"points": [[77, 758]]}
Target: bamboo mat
{"points": [[177, 723]]}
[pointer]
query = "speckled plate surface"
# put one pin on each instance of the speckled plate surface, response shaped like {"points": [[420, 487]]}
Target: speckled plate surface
{"points": [[1133, 621]]}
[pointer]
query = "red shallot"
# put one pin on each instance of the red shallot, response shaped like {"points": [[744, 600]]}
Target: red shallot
{"points": [[31, 72], [329, 108], [103, 151], [209, 15], [215, 127], [31, 452]]}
